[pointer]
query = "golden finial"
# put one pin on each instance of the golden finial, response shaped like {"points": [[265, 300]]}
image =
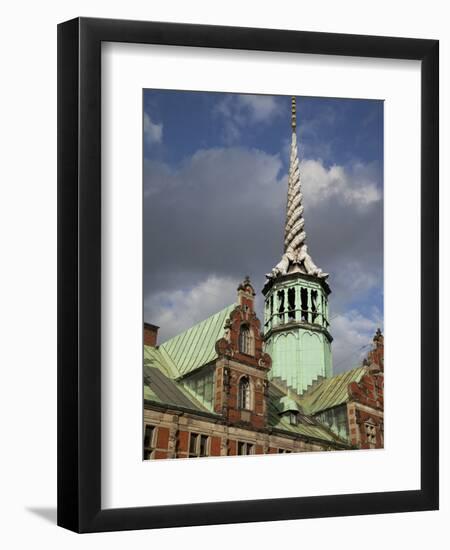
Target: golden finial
{"points": [[294, 115]]}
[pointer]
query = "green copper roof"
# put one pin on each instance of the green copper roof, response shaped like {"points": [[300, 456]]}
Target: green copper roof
{"points": [[288, 404], [154, 358], [161, 389], [306, 426], [330, 392], [194, 347]]}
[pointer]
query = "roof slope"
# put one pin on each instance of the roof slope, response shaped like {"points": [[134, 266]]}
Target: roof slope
{"points": [[196, 346], [154, 358], [306, 426], [330, 392], [161, 389]]}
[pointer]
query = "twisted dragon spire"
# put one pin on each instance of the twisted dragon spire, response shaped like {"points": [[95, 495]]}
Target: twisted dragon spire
{"points": [[295, 257]]}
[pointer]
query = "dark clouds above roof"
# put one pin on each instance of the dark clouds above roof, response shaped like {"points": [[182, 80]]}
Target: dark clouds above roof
{"points": [[218, 215]]}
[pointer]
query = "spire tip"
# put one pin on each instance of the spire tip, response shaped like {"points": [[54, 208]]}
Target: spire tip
{"points": [[293, 114]]}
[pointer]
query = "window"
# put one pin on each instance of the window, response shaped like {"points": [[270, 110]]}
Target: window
{"points": [[203, 445], [193, 440], [304, 304], [280, 295], [245, 448], [291, 304], [284, 451], [198, 445], [244, 337], [371, 434], [293, 419], [314, 305], [246, 341], [244, 393], [149, 441]]}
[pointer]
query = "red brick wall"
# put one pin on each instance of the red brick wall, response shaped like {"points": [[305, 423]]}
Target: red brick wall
{"points": [[232, 447], [183, 442], [228, 375], [215, 446], [369, 391], [361, 418], [366, 406], [376, 355], [160, 454], [150, 334], [162, 440]]}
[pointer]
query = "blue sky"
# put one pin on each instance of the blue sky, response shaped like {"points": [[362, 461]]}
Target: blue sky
{"points": [[337, 131], [215, 168]]}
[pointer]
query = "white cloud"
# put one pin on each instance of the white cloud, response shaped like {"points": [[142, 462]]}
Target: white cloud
{"points": [[260, 108], [355, 185], [152, 131], [353, 334], [176, 311], [356, 278], [239, 111]]}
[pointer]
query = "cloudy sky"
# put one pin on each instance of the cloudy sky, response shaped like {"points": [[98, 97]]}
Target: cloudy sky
{"points": [[215, 179]]}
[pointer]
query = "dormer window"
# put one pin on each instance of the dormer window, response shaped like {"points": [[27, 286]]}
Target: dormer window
{"points": [[244, 393], [246, 341], [289, 410]]}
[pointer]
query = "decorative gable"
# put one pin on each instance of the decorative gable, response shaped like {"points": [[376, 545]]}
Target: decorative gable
{"points": [[242, 365]]}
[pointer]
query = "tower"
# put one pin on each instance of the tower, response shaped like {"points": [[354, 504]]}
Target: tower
{"points": [[296, 319]]}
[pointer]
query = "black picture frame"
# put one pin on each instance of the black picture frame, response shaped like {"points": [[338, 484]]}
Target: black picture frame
{"points": [[79, 274]]}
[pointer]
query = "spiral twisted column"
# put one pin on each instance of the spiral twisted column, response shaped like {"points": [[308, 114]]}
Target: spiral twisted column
{"points": [[295, 257], [294, 234]]}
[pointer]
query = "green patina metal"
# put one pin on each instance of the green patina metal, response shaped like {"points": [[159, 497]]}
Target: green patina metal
{"points": [[201, 385], [162, 390], [331, 392], [337, 421], [288, 404], [296, 330], [154, 358], [194, 347], [296, 317], [159, 388], [306, 426], [169, 380], [181, 357]]}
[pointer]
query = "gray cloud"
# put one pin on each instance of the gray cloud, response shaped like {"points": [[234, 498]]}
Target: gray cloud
{"points": [[220, 217]]}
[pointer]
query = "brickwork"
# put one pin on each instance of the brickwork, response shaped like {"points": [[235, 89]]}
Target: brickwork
{"points": [[240, 401], [366, 407], [241, 359], [221, 440], [150, 334]]}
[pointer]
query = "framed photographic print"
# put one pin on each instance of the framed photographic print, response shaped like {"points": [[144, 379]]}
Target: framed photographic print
{"points": [[248, 275]]}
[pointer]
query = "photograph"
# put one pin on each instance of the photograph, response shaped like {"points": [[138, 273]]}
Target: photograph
{"points": [[262, 274]]}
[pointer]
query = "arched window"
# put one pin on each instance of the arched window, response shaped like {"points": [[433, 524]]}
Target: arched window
{"points": [[246, 341], [244, 393]]}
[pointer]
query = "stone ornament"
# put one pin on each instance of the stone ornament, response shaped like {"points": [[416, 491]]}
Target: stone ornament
{"points": [[296, 258]]}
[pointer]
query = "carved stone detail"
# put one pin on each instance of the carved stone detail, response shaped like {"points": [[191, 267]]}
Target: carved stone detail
{"points": [[295, 257]]}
